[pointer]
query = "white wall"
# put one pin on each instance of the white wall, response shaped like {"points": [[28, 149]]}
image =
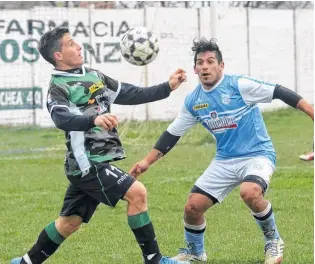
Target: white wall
{"points": [[269, 53]]}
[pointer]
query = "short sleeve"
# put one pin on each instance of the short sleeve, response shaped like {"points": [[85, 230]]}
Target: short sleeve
{"points": [[255, 91]]}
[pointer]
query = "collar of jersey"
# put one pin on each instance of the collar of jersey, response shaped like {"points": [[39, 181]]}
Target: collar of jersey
{"points": [[218, 83], [64, 73]]}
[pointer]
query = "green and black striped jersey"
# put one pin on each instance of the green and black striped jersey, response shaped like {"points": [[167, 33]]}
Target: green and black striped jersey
{"points": [[76, 97]]}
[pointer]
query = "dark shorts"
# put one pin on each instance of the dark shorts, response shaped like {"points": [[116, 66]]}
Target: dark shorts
{"points": [[105, 184]]}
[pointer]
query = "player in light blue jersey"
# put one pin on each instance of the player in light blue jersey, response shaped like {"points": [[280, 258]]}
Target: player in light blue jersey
{"points": [[226, 105]]}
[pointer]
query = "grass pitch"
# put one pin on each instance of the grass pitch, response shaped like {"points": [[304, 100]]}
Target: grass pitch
{"points": [[33, 185]]}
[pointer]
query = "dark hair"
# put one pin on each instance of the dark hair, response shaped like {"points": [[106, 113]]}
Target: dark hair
{"points": [[50, 42], [205, 45]]}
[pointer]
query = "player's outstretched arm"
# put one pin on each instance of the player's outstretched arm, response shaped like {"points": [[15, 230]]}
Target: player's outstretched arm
{"points": [[293, 99], [143, 165], [256, 91], [306, 108], [134, 95], [165, 143]]}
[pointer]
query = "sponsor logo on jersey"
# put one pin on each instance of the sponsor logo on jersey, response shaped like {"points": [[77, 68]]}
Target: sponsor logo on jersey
{"points": [[200, 106], [96, 86], [220, 124]]}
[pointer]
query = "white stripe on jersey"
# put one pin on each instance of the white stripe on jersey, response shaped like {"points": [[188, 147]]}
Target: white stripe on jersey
{"points": [[230, 111], [235, 110], [246, 112], [238, 112], [113, 95]]}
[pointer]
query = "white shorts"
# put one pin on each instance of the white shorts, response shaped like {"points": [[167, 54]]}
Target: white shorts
{"points": [[222, 176]]}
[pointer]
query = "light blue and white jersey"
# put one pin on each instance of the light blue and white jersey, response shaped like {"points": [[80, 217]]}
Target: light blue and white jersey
{"points": [[230, 112]]}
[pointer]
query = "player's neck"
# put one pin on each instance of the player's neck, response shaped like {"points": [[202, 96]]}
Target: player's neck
{"points": [[210, 87], [67, 67], [73, 70]]}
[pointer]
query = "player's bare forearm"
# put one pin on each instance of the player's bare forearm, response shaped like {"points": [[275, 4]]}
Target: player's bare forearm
{"points": [[165, 143], [143, 165], [306, 108], [153, 156]]}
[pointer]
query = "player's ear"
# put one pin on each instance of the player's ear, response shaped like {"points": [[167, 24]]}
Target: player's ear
{"points": [[195, 70], [221, 66], [58, 56]]}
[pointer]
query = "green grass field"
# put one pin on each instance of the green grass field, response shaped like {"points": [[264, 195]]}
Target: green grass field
{"points": [[33, 185]]}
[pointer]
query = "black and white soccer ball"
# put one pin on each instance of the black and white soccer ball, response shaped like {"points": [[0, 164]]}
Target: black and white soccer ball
{"points": [[139, 46]]}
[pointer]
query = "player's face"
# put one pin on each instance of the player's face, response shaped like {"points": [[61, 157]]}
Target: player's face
{"points": [[208, 68], [70, 55]]}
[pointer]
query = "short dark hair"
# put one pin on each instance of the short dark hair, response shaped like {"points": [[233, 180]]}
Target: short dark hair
{"points": [[50, 42], [206, 45]]}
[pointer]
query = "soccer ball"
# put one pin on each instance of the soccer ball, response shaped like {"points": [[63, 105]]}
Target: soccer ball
{"points": [[139, 46]]}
